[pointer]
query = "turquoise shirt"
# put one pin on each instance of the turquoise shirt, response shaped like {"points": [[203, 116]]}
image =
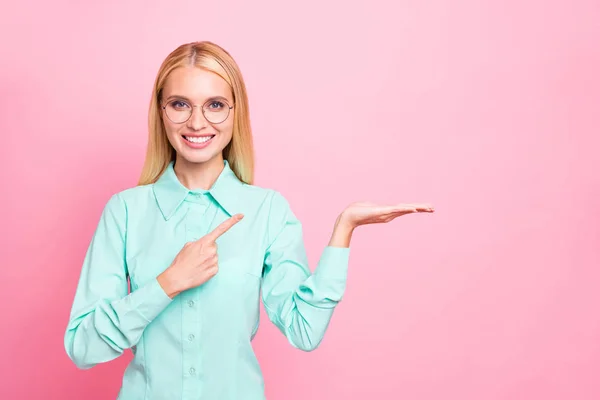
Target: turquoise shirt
{"points": [[197, 345]]}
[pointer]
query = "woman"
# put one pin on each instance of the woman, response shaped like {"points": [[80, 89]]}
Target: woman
{"points": [[197, 242]]}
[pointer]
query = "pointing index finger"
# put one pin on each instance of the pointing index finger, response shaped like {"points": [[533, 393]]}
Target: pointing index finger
{"points": [[223, 227]]}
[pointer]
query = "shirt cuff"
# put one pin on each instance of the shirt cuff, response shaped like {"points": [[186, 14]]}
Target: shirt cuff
{"points": [[333, 263], [149, 300]]}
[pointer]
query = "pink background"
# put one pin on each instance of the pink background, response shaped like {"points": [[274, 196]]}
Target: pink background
{"points": [[488, 110]]}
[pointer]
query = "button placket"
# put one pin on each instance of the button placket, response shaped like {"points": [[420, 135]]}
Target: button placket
{"points": [[197, 224], [191, 349], [194, 217]]}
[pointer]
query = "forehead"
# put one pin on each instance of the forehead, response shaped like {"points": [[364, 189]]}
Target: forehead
{"points": [[195, 84]]}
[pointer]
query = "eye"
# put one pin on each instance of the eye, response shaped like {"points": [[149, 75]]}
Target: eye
{"points": [[216, 105], [179, 104]]}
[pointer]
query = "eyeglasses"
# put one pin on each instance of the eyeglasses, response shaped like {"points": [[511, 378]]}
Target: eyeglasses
{"points": [[214, 110]]}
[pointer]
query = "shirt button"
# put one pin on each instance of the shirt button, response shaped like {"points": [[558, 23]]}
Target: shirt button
{"points": [[191, 337], [191, 303], [192, 371]]}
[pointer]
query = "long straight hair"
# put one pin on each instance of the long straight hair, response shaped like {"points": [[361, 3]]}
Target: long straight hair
{"points": [[211, 57]]}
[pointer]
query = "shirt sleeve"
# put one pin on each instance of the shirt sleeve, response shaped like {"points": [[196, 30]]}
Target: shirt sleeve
{"points": [[105, 319], [299, 303]]}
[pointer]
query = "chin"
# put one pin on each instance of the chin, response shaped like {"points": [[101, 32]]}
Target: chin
{"points": [[197, 157]]}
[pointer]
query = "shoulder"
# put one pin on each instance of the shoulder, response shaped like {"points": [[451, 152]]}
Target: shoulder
{"points": [[275, 211], [275, 206], [135, 194], [264, 197], [266, 203], [120, 201]]}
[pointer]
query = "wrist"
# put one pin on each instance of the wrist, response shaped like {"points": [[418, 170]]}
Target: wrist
{"points": [[168, 283], [344, 222], [342, 232]]}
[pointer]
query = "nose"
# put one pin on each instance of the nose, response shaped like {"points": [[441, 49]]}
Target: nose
{"points": [[197, 120]]}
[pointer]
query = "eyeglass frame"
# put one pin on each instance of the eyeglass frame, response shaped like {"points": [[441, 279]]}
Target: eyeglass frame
{"points": [[203, 104]]}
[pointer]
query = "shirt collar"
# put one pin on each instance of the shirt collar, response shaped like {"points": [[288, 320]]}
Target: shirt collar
{"points": [[170, 192]]}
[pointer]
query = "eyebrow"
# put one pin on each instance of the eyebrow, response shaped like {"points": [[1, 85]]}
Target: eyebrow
{"points": [[176, 96]]}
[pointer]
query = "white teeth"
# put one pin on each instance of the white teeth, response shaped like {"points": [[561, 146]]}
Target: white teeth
{"points": [[203, 139]]}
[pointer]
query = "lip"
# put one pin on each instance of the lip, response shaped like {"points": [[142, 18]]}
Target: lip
{"points": [[197, 145], [197, 135]]}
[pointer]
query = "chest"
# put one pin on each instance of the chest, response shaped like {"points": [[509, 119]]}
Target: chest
{"points": [[153, 243]]}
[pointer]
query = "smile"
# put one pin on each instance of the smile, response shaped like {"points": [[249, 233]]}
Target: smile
{"points": [[198, 142], [198, 139]]}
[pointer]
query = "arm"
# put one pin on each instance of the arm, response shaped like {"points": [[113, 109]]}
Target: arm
{"points": [[105, 320], [299, 303]]}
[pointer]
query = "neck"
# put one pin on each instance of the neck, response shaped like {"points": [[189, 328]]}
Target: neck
{"points": [[198, 175]]}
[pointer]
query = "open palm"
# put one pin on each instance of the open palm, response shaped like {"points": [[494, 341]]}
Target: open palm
{"points": [[361, 213]]}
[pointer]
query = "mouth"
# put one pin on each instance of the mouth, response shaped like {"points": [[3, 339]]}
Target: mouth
{"points": [[198, 141]]}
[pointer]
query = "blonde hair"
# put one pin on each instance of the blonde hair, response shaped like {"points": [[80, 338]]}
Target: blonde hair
{"points": [[211, 57]]}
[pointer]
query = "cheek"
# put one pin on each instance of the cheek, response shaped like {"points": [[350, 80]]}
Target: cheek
{"points": [[171, 131], [226, 130]]}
